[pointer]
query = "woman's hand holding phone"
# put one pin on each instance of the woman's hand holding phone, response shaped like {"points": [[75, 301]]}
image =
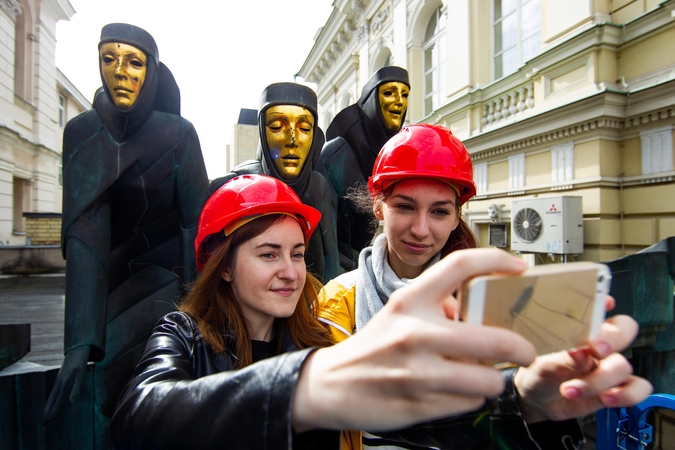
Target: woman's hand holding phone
{"points": [[413, 362], [578, 382]]}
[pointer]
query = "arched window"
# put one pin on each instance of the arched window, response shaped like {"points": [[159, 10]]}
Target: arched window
{"points": [[434, 62], [346, 100], [383, 59], [517, 34], [387, 62]]}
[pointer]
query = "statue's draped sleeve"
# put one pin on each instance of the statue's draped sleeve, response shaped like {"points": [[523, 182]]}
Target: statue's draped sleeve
{"points": [[192, 187], [85, 240]]}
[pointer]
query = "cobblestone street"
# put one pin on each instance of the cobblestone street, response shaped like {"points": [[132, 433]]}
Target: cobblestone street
{"points": [[38, 300]]}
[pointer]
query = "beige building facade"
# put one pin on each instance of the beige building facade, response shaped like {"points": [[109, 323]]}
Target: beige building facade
{"points": [[551, 97], [36, 101]]}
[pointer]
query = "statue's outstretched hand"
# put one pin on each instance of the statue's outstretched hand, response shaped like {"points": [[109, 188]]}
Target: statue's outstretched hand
{"points": [[68, 381]]}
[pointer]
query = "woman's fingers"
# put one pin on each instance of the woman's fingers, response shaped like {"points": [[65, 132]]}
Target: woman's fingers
{"points": [[610, 303], [612, 371], [612, 382], [461, 340], [633, 391], [463, 378], [616, 334], [396, 394], [442, 279]]}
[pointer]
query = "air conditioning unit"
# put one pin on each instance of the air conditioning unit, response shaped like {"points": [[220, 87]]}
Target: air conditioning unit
{"points": [[547, 225], [498, 234]]}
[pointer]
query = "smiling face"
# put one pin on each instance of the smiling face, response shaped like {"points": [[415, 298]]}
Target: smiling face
{"points": [[419, 215], [124, 68], [289, 130], [268, 275], [393, 97]]}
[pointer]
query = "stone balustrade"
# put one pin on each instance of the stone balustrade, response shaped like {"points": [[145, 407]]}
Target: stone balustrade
{"points": [[508, 105]]}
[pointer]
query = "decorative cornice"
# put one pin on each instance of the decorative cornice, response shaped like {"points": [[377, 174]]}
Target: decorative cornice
{"points": [[12, 7], [578, 184], [658, 179], [649, 117], [566, 187], [41, 149], [379, 19], [363, 32], [563, 133], [356, 15]]}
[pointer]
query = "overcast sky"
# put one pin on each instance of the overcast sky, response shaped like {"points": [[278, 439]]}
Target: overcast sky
{"points": [[222, 54]]}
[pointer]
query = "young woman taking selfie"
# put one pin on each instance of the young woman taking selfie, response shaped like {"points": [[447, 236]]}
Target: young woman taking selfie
{"points": [[421, 179], [244, 362]]}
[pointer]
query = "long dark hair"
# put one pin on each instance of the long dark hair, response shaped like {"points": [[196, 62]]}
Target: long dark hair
{"points": [[461, 238], [223, 326]]}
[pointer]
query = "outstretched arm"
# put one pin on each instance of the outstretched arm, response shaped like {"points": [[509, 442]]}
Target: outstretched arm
{"points": [[412, 363]]}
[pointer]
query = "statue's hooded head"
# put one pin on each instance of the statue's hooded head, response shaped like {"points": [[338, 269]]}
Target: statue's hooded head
{"points": [[384, 98], [290, 138], [128, 63]]}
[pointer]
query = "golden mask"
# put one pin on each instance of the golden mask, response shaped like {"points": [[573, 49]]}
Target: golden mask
{"points": [[289, 130], [123, 67], [393, 98]]}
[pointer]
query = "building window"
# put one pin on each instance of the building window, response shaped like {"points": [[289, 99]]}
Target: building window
{"points": [[62, 111], [562, 159], [61, 171], [480, 177], [20, 194], [434, 63], [657, 150], [517, 171], [517, 36]]}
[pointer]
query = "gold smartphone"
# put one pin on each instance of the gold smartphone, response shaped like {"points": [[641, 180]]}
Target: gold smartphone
{"points": [[555, 306]]}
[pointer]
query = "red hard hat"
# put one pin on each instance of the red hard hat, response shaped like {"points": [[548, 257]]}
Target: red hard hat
{"points": [[427, 151], [245, 197]]}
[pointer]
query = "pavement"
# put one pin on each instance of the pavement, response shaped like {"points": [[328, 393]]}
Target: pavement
{"points": [[38, 300]]}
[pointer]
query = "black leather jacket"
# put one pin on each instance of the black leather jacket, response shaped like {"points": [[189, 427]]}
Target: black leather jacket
{"points": [[185, 396]]}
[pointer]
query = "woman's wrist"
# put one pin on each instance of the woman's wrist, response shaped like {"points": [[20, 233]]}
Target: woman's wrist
{"points": [[529, 413], [308, 411]]}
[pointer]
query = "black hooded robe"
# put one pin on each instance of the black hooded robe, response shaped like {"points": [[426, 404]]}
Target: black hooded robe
{"points": [[354, 138], [312, 188], [134, 185]]}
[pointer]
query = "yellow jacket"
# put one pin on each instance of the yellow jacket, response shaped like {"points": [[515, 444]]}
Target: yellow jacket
{"points": [[336, 308], [336, 305], [337, 302]]}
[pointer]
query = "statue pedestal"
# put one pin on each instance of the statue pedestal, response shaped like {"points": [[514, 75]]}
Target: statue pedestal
{"points": [[24, 390], [14, 343]]}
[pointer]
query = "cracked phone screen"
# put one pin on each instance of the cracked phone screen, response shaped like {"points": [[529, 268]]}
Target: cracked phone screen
{"points": [[553, 312]]}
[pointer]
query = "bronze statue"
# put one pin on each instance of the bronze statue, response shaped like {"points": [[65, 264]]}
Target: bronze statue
{"points": [[134, 185], [290, 143], [354, 138]]}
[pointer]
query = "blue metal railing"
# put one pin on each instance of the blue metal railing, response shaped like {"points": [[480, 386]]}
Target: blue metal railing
{"points": [[627, 428]]}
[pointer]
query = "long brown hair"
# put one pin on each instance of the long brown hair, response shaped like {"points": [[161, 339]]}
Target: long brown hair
{"points": [[461, 238], [212, 303]]}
